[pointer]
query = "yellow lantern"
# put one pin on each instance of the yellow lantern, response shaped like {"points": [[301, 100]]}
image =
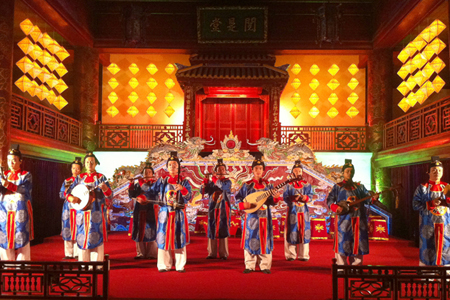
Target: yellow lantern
{"points": [[26, 26], [333, 84], [35, 71], [35, 33], [152, 83], [61, 86], [295, 112], [436, 27], [352, 112], [411, 99], [427, 88], [113, 69], [403, 56], [419, 78], [113, 83], [353, 69], [52, 64], [26, 45], [152, 69], [45, 58], [169, 83], [133, 83], [419, 60], [353, 83], [60, 102], [62, 54], [133, 68], [428, 52], [112, 111], [23, 83], [403, 88], [295, 98], [410, 83], [353, 98], [169, 97], [420, 96], [404, 105], [169, 69], [151, 97], [428, 70], [314, 112], [45, 40], [403, 72], [411, 50], [52, 81], [437, 45], [419, 43], [437, 64], [44, 75], [51, 97], [54, 47], [427, 35], [438, 84], [314, 98], [296, 83], [333, 69], [36, 52], [314, 69], [169, 111], [61, 70], [133, 97], [333, 112], [32, 88], [133, 111], [38, 91], [314, 84], [25, 64], [296, 69], [113, 97], [151, 111], [333, 98]]}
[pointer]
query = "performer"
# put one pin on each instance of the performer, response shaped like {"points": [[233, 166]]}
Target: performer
{"points": [[16, 214], [257, 232], [91, 223], [69, 214], [144, 216], [432, 204], [219, 217], [297, 233], [173, 228], [351, 240]]}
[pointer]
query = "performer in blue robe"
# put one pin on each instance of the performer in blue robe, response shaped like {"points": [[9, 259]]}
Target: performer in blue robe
{"points": [[219, 213], [144, 215], [173, 227], [432, 204], [297, 232], [16, 214], [351, 240], [257, 232], [92, 222], [69, 214]]}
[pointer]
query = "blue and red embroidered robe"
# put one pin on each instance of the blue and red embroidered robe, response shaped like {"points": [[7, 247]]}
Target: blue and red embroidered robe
{"points": [[16, 214], [91, 224], [173, 225], [434, 222], [257, 231], [144, 216], [298, 225], [352, 231], [69, 214], [219, 213]]}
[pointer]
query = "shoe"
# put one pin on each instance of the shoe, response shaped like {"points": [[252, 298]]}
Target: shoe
{"points": [[246, 271], [266, 271], [162, 270], [181, 271], [290, 259], [303, 259], [68, 257], [224, 258], [210, 257], [138, 257]]}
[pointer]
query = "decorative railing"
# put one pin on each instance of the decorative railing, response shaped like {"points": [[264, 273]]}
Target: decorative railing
{"points": [[322, 138], [390, 282], [34, 118], [431, 120], [61, 280], [138, 137]]}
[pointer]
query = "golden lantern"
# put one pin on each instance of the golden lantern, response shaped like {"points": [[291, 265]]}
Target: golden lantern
{"points": [[113, 69], [133, 97], [420, 96], [44, 75], [35, 71], [61, 70], [295, 98], [314, 84], [169, 111], [51, 97], [44, 93], [352, 112], [410, 83], [427, 88], [353, 83], [38, 91], [45, 58], [314, 112], [419, 60], [169, 97], [23, 83], [419, 43], [133, 83], [62, 54], [403, 72], [26, 26], [403, 56], [52, 81], [411, 99], [428, 70], [152, 83], [437, 64], [133, 68], [45, 40], [314, 69], [32, 88], [169, 83], [151, 97], [295, 112], [26, 45], [296, 83], [437, 45], [25, 64], [112, 111], [353, 69], [427, 35], [60, 102], [333, 69], [151, 111], [169, 69], [133, 111], [35, 33], [54, 47], [52, 64], [333, 112], [436, 27], [419, 78], [333, 98], [403, 88], [152, 69], [438, 84], [36, 52], [404, 105], [333, 84], [428, 52], [410, 50], [410, 66], [113, 97], [61, 86], [353, 98], [313, 98], [113, 83], [296, 69]]}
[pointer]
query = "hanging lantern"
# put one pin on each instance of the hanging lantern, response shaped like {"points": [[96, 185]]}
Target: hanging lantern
{"points": [[314, 112], [419, 78], [296, 83], [62, 54], [38, 91], [295, 112], [54, 47], [61, 70], [169, 111], [410, 66], [314, 84], [420, 96], [333, 84], [44, 75], [403, 72], [26, 26], [169, 97], [36, 52], [411, 50], [419, 60], [45, 40], [353, 83], [314, 98], [352, 112], [45, 58], [437, 64], [113, 83], [23, 83], [51, 97], [35, 33], [428, 52], [169, 69], [436, 27], [52, 81], [427, 88], [169, 83], [113, 97], [333, 98], [113, 69], [296, 69], [419, 43], [404, 105], [353, 98], [403, 88], [437, 45], [35, 71], [353, 69], [333, 112], [438, 84], [428, 70], [133, 68], [61, 86], [112, 111], [60, 102], [25, 64], [133, 97], [295, 98], [151, 97], [411, 99], [32, 88], [133, 111], [403, 56], [427, 35], [410, 83], [26, 45], [152, 69], [52, 64], [151, 111], [152, 83], [333, 69], [314, 69]]}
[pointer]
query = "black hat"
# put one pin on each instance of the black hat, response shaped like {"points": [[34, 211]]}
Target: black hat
{"points": [[14, 150], [77, 161], [435, 162], [219, 163], [173, 157], [258, 162], [348, 164], [148, 165], [298, 164], [91, 154]]}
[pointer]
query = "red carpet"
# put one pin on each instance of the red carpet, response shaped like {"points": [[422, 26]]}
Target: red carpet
{"points": [[218, 279]]}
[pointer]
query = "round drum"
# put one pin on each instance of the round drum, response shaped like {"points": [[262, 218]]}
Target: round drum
{"points": [[82, 192]]}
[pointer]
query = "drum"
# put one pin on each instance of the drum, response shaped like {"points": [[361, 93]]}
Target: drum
{"points": [[82, 192]]}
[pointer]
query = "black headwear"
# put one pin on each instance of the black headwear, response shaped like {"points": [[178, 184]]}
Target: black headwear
{"points": [[435, 162], [219, 163], [148, 165], [77, 161], [90, 154], [15, 151], [298, 164], [258, 162], [348, 164], [173, 157]]}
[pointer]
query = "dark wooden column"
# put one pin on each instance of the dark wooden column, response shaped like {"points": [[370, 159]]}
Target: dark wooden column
{"points": [[86, 67], [6, 66]]}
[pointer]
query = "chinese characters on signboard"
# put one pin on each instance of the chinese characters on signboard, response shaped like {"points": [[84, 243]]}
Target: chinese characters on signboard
{"points": [[232, 24]]}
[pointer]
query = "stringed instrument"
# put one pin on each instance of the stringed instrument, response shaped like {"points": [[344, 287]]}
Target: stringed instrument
{"points": [[352, 200], [441, 208], [259, 198]]}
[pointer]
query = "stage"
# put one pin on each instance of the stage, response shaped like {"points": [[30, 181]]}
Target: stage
{"points": [[223, 279]]}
